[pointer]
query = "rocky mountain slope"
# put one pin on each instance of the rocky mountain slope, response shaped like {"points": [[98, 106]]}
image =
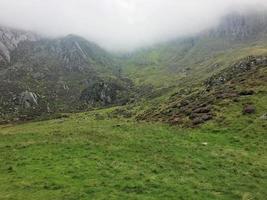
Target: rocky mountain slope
{"points": [[240, 83], [237, 36], [241, 26], [171, 82], [42, 75], [9, 40], [191, 77]]}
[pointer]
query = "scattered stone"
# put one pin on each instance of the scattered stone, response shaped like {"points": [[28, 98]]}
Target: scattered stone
{"points": [[249, 109], [204, 143]]}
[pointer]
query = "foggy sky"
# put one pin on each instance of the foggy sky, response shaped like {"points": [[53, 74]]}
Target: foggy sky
{"points": [[118, 24]]}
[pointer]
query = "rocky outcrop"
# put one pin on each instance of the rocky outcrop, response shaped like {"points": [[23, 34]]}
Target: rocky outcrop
{"points": [[28, 99], [9, 40], [60, 69], [241, 25], [236, 70], [199, 106], [104, 93]]}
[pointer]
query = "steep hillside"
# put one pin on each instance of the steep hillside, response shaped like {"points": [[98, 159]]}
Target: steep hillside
{"points": [[243, 84], [9, 40], [180, 72], [185, 119], [53, 75], [195, 58], [43, 75]]}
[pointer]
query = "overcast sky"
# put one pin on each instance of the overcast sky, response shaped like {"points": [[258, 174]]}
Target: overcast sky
{"points": [[118, 24]]}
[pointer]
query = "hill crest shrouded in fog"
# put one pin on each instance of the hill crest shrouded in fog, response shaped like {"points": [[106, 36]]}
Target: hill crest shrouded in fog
{"points": [[45, 75], [121, 25], [172, 116]]}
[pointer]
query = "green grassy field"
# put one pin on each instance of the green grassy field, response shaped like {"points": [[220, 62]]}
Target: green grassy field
{"points": [[82, 157]]}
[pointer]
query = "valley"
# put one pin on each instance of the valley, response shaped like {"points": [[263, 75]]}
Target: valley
{"points": [[182, 119]]}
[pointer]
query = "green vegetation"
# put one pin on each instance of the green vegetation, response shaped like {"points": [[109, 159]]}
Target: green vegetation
{"points": [[92, 156], [187, 62], [185, 119]]}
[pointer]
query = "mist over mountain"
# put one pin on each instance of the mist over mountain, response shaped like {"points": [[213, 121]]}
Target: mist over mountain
{"points": [[120, 24], [70, 73], [133, 99]]}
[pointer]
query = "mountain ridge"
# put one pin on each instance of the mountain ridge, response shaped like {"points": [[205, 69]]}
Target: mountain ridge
{"points": [[84, 76]]}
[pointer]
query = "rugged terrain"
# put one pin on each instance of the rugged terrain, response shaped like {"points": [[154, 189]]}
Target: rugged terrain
{"points": [[54, 75], [185, 119], [43, 76]]}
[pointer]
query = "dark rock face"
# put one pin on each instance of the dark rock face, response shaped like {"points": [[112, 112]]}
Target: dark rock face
{"points": [[106, 93], [249, 109], [101, 92], [241, 26]]}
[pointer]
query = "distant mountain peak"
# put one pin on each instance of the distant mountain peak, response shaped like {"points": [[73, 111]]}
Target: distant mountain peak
{"points": [[242, 25], [9, 40]]}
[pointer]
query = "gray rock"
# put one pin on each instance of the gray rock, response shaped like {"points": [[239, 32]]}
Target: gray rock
{"points": [[28, 99], [9, 40]]}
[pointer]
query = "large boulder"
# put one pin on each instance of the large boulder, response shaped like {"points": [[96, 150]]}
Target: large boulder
{"points": [[28, 99]]}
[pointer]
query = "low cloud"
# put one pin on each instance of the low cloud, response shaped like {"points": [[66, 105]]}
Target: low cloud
{"points": [[118, 24]]}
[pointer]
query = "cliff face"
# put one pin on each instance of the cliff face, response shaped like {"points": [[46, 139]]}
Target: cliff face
{"points": [[38, 73], [9, 40], [70, 73], [241, 26]]}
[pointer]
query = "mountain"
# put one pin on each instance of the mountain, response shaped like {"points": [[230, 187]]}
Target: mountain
{"points": [[53, 75], [43, 75], [242, 84], [184, 119], [241, 26], [178, 71], [236, 36], [9, 40]]}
